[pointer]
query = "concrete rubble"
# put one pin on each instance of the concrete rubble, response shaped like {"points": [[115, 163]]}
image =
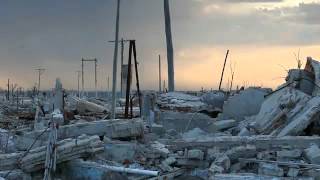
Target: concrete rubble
{"points": [[249, 133]]}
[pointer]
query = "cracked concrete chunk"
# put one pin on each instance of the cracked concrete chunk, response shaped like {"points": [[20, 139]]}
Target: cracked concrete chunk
{"points": [[195, 154], [270, 170], [313, 154]]}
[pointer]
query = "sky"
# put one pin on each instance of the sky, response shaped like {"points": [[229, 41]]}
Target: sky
{"points": [[262, 36]]}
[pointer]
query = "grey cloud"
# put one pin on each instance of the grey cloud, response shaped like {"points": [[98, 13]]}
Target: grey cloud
{"points": [[307, 13], [282, 26], [35, 32], [250, 1], [239, 1]]}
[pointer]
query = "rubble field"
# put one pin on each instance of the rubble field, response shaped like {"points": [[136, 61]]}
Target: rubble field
{"points": [[246, 134]]}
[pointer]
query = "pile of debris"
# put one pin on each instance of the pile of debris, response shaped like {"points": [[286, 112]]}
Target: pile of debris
{"points": [[254, 133]]}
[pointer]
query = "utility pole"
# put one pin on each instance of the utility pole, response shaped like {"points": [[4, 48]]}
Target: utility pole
{"points": [[108, 83], [95, 78], [132, 51], [40, 72], [8, 95], [169, 46], [122, 42], [224, 65], [78, 74], [159, 73], [115, 57], [232, 69], [95, 74], [82, 78]]}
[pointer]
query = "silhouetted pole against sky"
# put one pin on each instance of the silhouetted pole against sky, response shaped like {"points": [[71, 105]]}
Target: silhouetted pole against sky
{"points": [[95, 78], [159, 73], [108, 81], [40, 72], [78, 74], [8, 98], [224, 65], [122, 41], [82, 78], [95, 74], [115, 58], [169, 46]]}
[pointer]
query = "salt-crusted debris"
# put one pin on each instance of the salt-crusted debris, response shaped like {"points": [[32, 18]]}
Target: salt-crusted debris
{"points": [[243, 104], [66, 150], [257, 135], [109, 128], [181, 102]]}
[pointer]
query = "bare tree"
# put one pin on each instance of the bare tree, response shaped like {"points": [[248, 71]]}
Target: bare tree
{"points": [[299, 62]]}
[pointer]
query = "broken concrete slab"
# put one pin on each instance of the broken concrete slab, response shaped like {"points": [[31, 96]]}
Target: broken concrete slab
{"points": [[183, 122], [308, 114], [176, 101], [195, 154], [214, 99], [84, 106], [289, 154], [288, 97], [246, 103], [304, 79], [223, 125], [248, 151]]}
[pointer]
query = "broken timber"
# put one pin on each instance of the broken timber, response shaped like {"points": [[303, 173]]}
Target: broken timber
{"points": [[110, 128], [67, 149]]}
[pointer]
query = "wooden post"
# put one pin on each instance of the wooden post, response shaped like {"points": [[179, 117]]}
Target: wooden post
{"points": [[121, 68], [224, 65], [137, 75], [126, 110], [232, 76]]}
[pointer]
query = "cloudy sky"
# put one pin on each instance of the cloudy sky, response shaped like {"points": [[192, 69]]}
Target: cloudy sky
{"points": [[262, 36]]}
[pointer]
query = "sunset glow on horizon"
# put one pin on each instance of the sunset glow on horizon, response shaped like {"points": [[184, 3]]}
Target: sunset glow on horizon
{"points": [[262, 37]]}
